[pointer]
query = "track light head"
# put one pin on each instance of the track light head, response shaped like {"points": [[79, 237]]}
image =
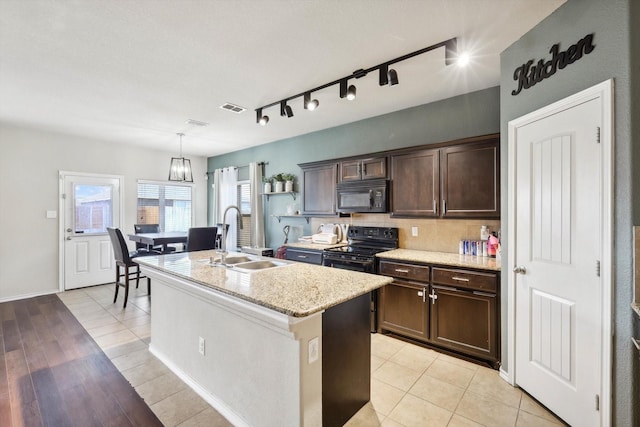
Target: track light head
{"points": [[393, 77], [351, 93], [310, 104], [451, 51], [260, 119], [285, 110]]}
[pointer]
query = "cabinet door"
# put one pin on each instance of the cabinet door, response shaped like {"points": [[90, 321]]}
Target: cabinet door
{"points": [[350, 170], [355, 170], [374, 168], [471, 180], [464, 321], [319, 189], [415, 184], [402, 309]]}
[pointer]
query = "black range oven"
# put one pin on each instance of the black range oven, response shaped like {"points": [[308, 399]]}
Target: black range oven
{"points": [[359, 254]]}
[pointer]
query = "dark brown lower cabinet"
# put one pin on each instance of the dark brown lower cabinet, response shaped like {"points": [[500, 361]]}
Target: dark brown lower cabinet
{"points": [[404, 310], [451, 308], [464, 321]]}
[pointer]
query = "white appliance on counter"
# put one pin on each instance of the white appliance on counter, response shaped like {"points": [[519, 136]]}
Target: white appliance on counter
{"points": [[328, 234]]}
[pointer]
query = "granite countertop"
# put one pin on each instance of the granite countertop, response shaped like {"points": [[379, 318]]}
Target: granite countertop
{"points": [[313, 246], [443, 258], [295, 289]]}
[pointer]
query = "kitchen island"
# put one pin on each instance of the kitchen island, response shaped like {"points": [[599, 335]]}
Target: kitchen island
{"points": [[287, 345]]}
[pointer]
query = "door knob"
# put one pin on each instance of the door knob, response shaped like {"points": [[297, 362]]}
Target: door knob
{"points": [[520, 270], [69, 230]]}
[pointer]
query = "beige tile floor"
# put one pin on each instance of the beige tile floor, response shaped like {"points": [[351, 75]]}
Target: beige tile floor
{"points": [[410, 385]]}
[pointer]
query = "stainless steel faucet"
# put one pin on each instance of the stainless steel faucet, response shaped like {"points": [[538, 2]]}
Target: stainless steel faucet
{"points": [[223, 245]]}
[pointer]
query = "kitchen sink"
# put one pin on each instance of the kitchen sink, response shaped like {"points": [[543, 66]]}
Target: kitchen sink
{"points": [[258, 265], [237, 259]]}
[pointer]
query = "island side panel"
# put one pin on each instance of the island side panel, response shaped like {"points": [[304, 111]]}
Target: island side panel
{"points": [[255, 369], [346, 360]]}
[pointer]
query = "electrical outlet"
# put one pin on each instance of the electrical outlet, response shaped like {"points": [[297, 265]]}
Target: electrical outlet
{"points": [[201, 346], [414, 231], [313, 349]]}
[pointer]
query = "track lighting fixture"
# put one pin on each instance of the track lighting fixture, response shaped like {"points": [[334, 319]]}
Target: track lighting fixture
{"points": [[260, 119], [387, 76], [310, 104], [285, 110]]}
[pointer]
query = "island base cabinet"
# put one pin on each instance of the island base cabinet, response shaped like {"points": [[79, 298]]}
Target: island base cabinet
{"points": [[346, 360], [403, 309], [464, 321]]}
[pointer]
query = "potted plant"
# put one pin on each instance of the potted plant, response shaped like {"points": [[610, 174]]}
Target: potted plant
{"points": [[267, 184], [279, 182], [288, 181]]}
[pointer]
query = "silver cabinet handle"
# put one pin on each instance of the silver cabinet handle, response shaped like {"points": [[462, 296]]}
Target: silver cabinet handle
{"points": [[401, 270], [520, 270], [444, 206], [433, 296], [460, 279], [302, 256], [435, 207]]}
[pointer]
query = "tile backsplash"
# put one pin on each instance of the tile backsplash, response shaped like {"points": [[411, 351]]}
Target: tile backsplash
{"points": [[440, 235]]}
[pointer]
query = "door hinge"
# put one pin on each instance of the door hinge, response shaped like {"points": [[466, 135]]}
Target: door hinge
{"points": [[598, 134], [597, 402], [64, 196], [598, 268]]}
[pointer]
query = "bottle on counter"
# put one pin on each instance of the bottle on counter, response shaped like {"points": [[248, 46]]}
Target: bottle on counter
{"points": [[484, 232]]}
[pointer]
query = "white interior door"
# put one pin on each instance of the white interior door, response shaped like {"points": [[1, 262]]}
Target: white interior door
{"points": [[91, 204], [558, 250]]}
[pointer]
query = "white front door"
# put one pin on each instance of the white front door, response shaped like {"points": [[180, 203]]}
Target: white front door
{"points": [[91, 204], [558, 250]]}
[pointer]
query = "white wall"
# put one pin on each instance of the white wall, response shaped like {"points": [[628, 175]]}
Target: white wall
{"points": [[29, 164]]}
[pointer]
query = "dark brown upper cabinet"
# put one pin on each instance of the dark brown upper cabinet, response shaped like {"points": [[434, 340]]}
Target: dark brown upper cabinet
{"points": [[319, 189], [460, 180], [470, 179], [360, 169], [415, 185]]}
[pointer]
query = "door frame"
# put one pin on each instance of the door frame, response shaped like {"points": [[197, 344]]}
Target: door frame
{"points": [[604, 91], [61, 214]]}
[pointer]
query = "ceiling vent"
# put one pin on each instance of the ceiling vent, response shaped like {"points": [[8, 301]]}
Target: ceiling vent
{"points": [[233, 108], [196, 123]]}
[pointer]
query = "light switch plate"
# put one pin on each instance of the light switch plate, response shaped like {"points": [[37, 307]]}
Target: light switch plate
{"points": [[414, 231], [52, 214]]}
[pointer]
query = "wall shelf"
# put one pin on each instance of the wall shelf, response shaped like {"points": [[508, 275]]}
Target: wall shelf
{"points": [[292, 193], [279, 217]]}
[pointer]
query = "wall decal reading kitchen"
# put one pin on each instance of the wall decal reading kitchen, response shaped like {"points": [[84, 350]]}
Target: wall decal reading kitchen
{"points": [[528, 74]]}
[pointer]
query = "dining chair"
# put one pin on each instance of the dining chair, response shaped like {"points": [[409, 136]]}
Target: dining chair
{"points": [[141, 247], [124, 259], [201, 238]]}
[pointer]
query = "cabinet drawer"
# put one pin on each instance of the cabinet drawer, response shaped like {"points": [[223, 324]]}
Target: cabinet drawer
{"points": [[404, 271], [487, 282], [310, 257]]}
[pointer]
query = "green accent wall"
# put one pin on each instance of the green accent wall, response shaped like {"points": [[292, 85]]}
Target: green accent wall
{"points": [[613, 58], [472, 114]]}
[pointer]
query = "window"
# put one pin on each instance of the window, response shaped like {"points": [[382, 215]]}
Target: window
{"points": [[169, 205], [93, 208]]}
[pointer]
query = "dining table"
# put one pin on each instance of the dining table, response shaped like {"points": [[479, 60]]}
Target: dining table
{"points": [[159, 239]]}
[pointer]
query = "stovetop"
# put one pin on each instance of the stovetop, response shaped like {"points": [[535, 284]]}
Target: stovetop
{"points": [[368, 241]]}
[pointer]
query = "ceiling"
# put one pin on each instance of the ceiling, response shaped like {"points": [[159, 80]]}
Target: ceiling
{"points": [[134, 72]]}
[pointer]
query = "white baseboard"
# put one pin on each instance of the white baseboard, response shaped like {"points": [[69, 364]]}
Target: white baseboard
{"points": [[212, 400], [25, 296]]}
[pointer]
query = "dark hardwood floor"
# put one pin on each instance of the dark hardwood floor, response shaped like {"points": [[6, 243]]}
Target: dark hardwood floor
{"points": [[52, 373]]}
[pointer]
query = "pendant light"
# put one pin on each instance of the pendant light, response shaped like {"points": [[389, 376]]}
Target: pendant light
{"points": [[180, 168]]}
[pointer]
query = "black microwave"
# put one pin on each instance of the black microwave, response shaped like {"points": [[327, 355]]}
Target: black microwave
{"points": [[363, 196]]}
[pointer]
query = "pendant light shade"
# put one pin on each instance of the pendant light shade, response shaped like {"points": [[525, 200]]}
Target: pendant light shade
{"points": [[180, 168]]}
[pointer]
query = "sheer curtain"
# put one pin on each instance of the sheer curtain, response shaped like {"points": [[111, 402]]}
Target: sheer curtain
{"points": [[257, 216], [228, 191]]}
